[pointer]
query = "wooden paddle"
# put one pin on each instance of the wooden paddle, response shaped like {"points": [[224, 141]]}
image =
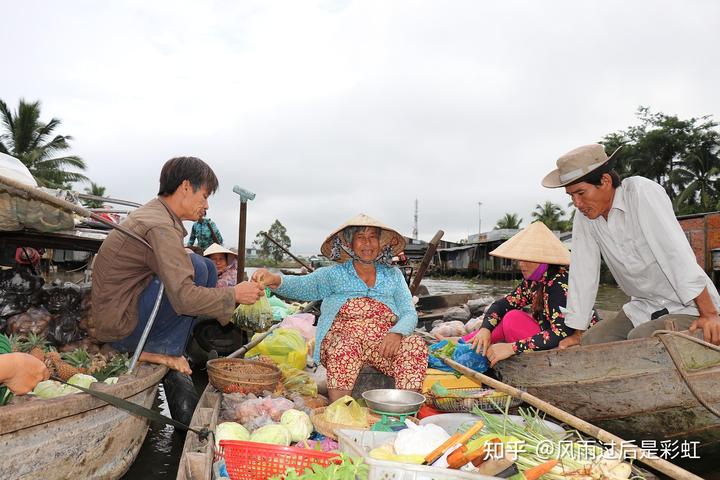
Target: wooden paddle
{"points": [[641, 455], [427, 258]]}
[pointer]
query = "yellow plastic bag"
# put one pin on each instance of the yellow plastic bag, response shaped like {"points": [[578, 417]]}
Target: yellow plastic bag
{"points": [[346, 411], [285, 346], [298, 381]]}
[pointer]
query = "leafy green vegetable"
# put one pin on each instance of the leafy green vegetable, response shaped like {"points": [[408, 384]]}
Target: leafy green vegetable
{"points": [[346, 469]]}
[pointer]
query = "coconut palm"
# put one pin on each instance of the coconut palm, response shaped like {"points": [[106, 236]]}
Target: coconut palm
{"points": [[97, 191], [696, 176], [510, 220], [29, 140], [550, 214]]}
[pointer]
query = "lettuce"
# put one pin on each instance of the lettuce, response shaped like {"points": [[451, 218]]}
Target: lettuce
{"points": [[298, 423]]}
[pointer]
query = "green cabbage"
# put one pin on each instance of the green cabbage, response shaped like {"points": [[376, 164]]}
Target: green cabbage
{"points": [[230, 431], [52, 389], [298, 423], [82, 380], [273, 433]]}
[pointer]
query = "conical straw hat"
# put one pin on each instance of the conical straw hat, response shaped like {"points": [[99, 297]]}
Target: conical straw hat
{"points": [[535, 243], [388, 236], [215, 248]]}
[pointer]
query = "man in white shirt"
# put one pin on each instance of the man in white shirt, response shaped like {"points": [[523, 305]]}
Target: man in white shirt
{"points": [[630, 223]]}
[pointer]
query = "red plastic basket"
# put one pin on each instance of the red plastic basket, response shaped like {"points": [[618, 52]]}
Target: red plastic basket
{"points": [[260, 461]]}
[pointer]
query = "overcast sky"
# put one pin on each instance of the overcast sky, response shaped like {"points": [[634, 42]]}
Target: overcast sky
{"points": [[326, 109]]}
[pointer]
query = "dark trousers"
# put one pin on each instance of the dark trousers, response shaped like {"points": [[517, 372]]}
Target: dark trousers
{"points": [[170, 331]]}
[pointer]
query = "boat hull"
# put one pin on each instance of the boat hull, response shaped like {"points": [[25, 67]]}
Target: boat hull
{"points": [[77, 436], [630, 388]]}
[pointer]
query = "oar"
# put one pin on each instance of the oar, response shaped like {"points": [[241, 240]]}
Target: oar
{"points": [[641, 455], [308, 267], [427, 258]]}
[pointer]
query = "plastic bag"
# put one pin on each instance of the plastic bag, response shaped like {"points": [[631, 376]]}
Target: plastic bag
{"points": [[346, 411], [449, 329], [444, 347], [466, 355], [302, 322], [419, 439], [298, 381], [257, 317], [474, 324], [284, 346]]}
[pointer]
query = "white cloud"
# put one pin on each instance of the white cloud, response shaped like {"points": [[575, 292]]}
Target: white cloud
{"points": [[326, 109]]}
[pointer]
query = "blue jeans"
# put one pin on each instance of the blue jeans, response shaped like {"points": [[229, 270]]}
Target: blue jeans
{"points": [[170, 331]]}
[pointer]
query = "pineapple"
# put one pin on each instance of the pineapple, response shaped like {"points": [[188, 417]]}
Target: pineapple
{"points": [[36, 345], [78, 358], [61, 368], [15, 342]]}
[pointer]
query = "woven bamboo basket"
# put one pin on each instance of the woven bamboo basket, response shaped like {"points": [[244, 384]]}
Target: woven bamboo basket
{"points": [[329, 428], [230, 375]]}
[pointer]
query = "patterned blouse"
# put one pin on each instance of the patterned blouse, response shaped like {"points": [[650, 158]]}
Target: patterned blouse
{"points": [[552, 321], [336, 284], [206, 233], [228, 278]]}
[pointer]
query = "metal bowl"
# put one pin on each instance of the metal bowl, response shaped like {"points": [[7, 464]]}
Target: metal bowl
{"points": [[393, 401]]}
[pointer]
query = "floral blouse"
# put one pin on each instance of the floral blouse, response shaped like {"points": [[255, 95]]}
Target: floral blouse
{"points": [[552, 321]]}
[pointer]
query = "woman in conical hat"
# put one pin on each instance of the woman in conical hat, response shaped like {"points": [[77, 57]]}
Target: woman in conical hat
{"points": [[507, 328], [367, 314], [225, 261]]}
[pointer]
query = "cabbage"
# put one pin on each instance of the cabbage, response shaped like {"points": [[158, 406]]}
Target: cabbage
{"points": [[82, 380], [230, 431], [111, 380], [273, 433], [298, 423], [52, 389]]}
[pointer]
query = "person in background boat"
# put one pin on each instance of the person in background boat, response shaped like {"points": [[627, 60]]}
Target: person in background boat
{"points": [[225, 261], [507, 329], [127, 274], [631, 224], [19, 372], [367, 315], [205, 232]]}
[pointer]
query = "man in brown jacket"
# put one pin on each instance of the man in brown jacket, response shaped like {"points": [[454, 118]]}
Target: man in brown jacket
{"points": [[127, 274]]}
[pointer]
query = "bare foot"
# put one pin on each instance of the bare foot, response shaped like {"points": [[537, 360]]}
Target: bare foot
{"points": [[174, 363], [572, 341]]}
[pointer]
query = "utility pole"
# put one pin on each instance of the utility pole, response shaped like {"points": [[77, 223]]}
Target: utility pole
{"points": [[479, 220], [415, 224]]}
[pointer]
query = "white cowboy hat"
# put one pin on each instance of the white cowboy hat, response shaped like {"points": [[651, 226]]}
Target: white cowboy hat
{"points": [[388, 236], [577, 163], [535, 243], [215, 248]]}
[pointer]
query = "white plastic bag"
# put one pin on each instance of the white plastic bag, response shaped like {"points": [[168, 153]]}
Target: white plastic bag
{"points": [[419, 439]]}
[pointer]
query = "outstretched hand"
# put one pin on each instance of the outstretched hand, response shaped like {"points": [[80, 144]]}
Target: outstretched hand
{"points": [[248, 292], [264, 277]]}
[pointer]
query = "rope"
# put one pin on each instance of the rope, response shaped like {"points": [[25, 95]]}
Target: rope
{"points": [[662, 335]]}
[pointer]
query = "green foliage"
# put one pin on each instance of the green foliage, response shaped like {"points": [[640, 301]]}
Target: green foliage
{"points": [[681, 155], [29, 140], [510, 220], [268, 249], [551, 215], [97, 191]]}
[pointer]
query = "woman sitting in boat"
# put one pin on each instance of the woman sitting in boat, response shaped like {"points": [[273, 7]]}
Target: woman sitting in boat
{"points": [[367, 314], [507, 328], [225, 261]]}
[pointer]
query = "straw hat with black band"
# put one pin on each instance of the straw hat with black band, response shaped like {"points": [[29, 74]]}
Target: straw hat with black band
{"points": [[337, 246], [578, 163], [535, 243]]}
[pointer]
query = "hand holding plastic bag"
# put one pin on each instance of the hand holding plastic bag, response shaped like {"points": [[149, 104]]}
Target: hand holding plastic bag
{"points": [[257, 317]]}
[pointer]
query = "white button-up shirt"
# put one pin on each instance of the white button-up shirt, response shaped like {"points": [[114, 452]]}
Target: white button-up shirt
{"points": [[646, 251]]}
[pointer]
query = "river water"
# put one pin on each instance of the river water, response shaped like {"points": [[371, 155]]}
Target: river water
{"points": [[159, 456]]}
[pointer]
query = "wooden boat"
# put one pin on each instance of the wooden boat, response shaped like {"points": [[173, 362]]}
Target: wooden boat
{"points": [[631, 388], [77, 436], [197, 455]]}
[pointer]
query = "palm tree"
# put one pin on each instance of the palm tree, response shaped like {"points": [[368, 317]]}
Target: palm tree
{"points": [[696, 176], [510, 220], [30, 141], [95, 190], [550, 214]]}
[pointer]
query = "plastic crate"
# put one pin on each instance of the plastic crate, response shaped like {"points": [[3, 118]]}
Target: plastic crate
{"points": [[358, 443], [259, 461]]}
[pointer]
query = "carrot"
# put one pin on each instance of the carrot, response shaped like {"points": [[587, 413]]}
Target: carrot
{"points": [[456, 457], [538, 471], [437, 453]]}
